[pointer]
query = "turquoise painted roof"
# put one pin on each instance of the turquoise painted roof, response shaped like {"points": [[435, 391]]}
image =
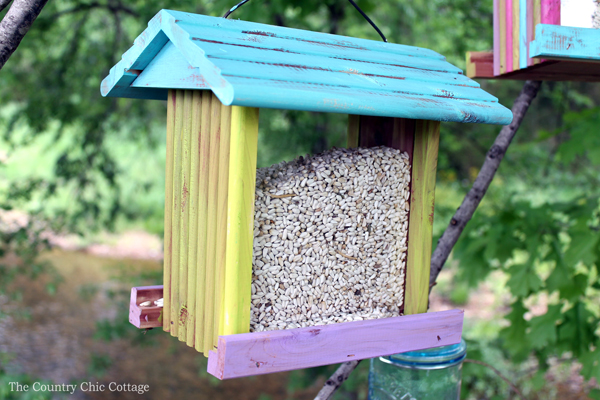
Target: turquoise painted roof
{"points": [[257, 65]]}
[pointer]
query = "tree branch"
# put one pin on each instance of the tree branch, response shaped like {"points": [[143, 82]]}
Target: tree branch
{"points": [[335, 381], [3, 4], [462, 216], [482, 182], [16, 24]]}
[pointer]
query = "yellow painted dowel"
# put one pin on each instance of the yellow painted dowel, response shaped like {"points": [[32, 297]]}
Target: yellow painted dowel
{"points": [[213, 175], [516, 36], [221, 246], [168, 247], [420, 224], [502, 19], [203, 154], [194, 313], [240, 219], [177, 186]]}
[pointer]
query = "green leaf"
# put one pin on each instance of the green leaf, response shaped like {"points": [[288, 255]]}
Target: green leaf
{"points": [[574, 287], [543, 328], [523, 280], [594, 394], [514, 334], [591, 364], [582, 247]]}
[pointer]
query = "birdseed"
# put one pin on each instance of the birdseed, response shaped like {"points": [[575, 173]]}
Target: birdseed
{"points": [[330, 238]]}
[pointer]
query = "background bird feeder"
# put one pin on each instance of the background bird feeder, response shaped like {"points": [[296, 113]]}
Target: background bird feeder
{"points": [[216, 74], [547, 40]]}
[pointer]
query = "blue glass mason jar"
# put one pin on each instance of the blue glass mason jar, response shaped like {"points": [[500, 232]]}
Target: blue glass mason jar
{"points": [[418, 375]]}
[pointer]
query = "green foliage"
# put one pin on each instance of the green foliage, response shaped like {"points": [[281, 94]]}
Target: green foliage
{"points": [[7, 394]]}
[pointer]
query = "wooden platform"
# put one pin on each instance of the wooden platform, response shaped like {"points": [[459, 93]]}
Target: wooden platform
{"points": [[481, 65], [145, 317]]}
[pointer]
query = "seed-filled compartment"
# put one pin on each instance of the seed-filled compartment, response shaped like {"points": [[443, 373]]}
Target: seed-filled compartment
{"points": [[330, 238]]}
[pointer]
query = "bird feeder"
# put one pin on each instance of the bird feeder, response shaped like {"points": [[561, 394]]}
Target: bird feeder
{"points": [[215, 75], [549, 40]]}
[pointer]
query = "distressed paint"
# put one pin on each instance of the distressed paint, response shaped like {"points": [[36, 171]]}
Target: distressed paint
{"points": [[210, 339], [222, 201], [201, 240], [509, 35], [353, 131], [516, 36], [502, 12], [275, 351], [168, 233], [480, 64], [420, 222], [537, 17], [194, 267], [496, 50], [550, 10], [256, 65], [530, 28], [523, 34], [240, 217], [176, 231], [566, 43]]}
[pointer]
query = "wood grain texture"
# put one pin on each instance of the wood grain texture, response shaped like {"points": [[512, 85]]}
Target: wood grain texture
{"points": [[509, 35], [537, 19], [184, 215], [353, 131], [496, 28], [221, 247], [193, 264], [502, 22], [403, 136], [168, 245], [176, 231], [516, 35], [146, 317], [201, 240], [420, 223], [530, 28], [274, 351], [566, 43], [211, 226], [240, 219], [480, 64]]}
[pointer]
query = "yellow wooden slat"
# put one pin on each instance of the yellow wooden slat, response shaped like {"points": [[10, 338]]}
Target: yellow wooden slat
{"points": [[203, 154], [221, 246], [502, 19], [213, 176], [420, 224], [184, 215], [177, 150], [192, 285], [168, 212], [353, 131], [537, 19], [240, 219]]}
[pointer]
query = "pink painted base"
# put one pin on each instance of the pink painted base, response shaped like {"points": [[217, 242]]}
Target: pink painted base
{"points": [[145, 317], [260, 353]]}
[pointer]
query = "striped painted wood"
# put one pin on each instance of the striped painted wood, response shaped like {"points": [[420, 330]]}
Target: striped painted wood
{"points": [[523, 34], [176, 231], [316, 72], [550, 10], [516, 36], [193, 266], [201, 240], [496, 27], [530, 28], [566, 43], [221, 246], [509, 35], [184, 215], [420, 223], [240, 205], [275, 351], [168, 233], [210, 339], [537, 18], [502, 21], [353, 131]]}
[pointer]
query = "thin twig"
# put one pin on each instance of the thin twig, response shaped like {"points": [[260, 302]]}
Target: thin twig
{"points": [[281, 196], [482, 182], [505, 379], [470, 203], [347, 256], [335, 381]]}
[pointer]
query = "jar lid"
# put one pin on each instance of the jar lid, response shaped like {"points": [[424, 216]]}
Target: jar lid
{"points": [[435, 358]]}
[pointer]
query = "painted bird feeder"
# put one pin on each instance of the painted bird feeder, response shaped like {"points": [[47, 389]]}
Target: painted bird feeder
{"points": [[216, 74], [547, 40]]}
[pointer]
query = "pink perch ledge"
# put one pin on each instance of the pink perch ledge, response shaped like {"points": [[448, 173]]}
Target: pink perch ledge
{"points": [[275, 351]]}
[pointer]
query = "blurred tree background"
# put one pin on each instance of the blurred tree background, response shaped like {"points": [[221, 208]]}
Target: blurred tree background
{"points": [[77, 162]]}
